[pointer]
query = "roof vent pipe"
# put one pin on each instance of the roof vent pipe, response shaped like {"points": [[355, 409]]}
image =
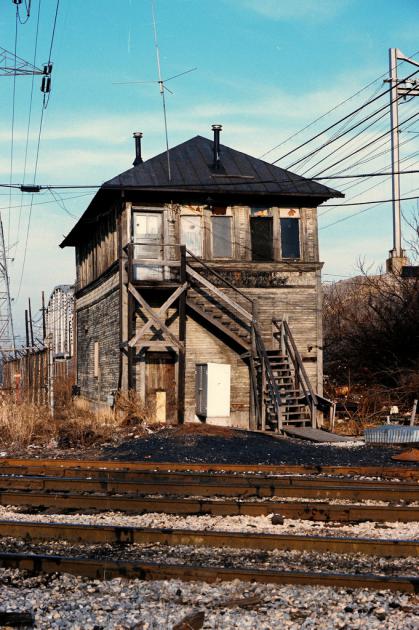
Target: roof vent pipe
{"points": [[138, 159], [217, 130]]}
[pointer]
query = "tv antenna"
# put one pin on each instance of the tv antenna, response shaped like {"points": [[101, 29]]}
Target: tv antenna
{"points": [[161, 83]]}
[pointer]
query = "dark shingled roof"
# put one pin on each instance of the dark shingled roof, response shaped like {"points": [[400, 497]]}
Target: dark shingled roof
{"points": [[191, 166], [239, 176]]}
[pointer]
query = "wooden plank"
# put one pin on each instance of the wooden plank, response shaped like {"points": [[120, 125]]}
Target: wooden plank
{"points": [[172, 298], [220, 294], [182, 337], [153, 316], [155, 262], [156, 345]]}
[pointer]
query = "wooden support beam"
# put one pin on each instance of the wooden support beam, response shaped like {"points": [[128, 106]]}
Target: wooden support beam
{"points": [[160, 313], [161, 325], [155, 345], [182, 339], [155, 262]]}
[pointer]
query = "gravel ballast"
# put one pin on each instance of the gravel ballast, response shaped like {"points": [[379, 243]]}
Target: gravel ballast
{"points": [[69, 602]]}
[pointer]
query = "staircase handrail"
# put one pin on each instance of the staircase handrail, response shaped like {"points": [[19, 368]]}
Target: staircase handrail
{"points": [[219, 276], [295, 354], [265, 363]]}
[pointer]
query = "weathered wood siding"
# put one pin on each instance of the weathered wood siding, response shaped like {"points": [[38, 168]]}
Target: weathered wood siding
{"points": [[97, 313], [99, 251]]}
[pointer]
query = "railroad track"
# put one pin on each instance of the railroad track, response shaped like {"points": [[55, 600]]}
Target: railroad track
{"points": [[126, 535], [205, 485], [313, 511], [100, 569], [75, 486], [128, 470]]}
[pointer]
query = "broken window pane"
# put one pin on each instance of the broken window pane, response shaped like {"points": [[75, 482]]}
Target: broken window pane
{"points": [[290, 238], [261, 233], [222, 246]]}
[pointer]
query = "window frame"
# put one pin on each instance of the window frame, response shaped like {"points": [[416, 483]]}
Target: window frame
{"points": [[230, 219]]}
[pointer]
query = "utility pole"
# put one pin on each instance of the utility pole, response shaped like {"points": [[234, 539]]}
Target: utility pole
{"points": [[44, 326], [399, 88], [30, 320], [27, 328]]}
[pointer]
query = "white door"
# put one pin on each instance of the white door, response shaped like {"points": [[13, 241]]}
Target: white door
{"points": [[148, 241]]}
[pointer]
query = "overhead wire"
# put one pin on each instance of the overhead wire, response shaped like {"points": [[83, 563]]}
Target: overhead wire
{"points": [[340, 104], [345, 117], [12, 140], [376, 204], [29, 116], [44, 106]]}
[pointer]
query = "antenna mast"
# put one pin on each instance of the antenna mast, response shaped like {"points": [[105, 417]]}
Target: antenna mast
{"points": [[162, 87]]}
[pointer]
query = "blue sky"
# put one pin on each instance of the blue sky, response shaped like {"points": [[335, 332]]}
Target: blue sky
{"points": [[266, 68]]}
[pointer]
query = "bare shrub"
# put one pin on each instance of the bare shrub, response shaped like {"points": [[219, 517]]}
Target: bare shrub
{"points": [[132, 411], [372, 335]]}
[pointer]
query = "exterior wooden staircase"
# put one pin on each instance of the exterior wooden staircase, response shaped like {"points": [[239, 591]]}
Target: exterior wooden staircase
{"points": [[281, 391]]}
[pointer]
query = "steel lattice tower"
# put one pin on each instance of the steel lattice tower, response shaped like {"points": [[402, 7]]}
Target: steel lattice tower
{"points": [[10, 65], [7, 334]]}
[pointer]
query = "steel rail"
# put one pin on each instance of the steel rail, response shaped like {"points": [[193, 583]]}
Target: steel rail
{"points": [[108, 569], [193, 485], [397, 471], [30, 530], [132, 505]]}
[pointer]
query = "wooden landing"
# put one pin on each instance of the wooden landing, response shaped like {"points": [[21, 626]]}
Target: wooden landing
{"points": [[315, 435]]}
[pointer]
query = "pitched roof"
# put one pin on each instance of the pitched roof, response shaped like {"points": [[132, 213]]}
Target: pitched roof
{"points": [[191, 165], [239, 176]]}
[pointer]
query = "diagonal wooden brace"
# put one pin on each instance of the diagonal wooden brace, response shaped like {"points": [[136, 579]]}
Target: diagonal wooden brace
{"points": [[155, 316]]}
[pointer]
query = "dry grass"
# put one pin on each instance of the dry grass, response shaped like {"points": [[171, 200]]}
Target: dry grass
{"points": [[75, 425], [24, 423]]}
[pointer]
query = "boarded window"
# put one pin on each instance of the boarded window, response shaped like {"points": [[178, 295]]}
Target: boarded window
{"points": [[96, 366], [222, 246], [261, 234], [290, 238], [191, 233]]}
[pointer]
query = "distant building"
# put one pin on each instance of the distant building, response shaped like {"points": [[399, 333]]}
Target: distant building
{"points": [[59, 321]]}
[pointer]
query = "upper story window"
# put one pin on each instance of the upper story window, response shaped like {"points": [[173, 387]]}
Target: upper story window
{"points": [[261, 234], [191, 233], [290, 233], [221, 232]]}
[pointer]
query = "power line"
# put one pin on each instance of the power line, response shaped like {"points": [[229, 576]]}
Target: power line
{"points": [[29, 117], [44, 106], [330, 111], [349, 216], [344, 133], [344, 118], [363, 147], [12, 126], [363, 203]]}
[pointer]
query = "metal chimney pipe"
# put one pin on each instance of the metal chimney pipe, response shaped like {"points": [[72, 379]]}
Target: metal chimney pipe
{"points": [[217, 158], [138, 159]]}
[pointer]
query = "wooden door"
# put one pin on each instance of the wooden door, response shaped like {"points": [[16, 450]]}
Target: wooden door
{"points": [[161, 386], [148, 239]]}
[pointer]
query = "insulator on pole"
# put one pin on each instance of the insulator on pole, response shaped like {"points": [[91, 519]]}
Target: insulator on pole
{"points": [[46, 85], [17, 1], [47, 68]]}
